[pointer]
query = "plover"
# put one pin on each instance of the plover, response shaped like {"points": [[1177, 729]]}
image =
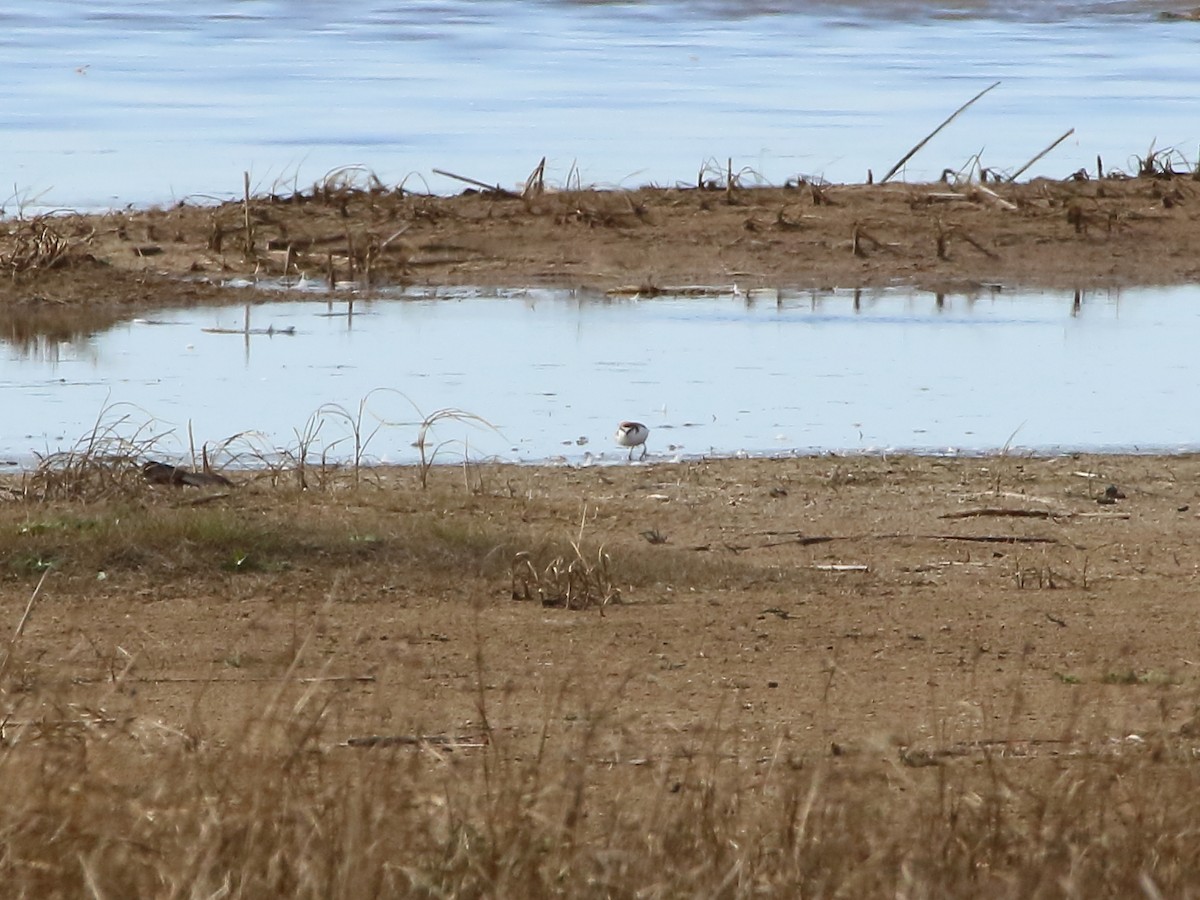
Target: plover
{"points": [[631, 435]]}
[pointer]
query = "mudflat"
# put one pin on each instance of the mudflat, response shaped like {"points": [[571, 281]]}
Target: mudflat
{"points": [[1083, 234], [842, 600]]}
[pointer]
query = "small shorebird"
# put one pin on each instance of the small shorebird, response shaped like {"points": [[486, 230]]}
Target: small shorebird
{"points": [[633, 434]]}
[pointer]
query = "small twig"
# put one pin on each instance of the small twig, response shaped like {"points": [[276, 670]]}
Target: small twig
{"points": [[989, 538], [948, 197], [1021, 171], [246, 214], [911, 153], [28, 609], [974, 243], [19, 630], [802, 541], [1005, 511], [251, 679], [206, 498], [825, 539], [384, 244], [875, 242], [473, 742]]}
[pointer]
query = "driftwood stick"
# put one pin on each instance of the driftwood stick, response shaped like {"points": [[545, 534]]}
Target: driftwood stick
{"points": [[911, 153], [989, 538], [316, 679], [1006, 511], [1021, 171], [994, 197], [246, 214], [482, 185], [825, 539], [536, 182]]}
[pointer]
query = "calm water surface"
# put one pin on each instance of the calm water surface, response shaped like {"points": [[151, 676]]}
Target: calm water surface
{"points": [[555, 372], [108, 103]]}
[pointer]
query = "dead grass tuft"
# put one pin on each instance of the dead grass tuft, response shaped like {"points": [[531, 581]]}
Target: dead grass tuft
{"points": [[35, 245], [104, 463], [569, 582], [98, 805], [381, 747]]}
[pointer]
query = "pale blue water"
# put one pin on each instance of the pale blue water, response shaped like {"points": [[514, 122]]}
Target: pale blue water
{"points": [[114, 103], [108, 103], [555, 372]]}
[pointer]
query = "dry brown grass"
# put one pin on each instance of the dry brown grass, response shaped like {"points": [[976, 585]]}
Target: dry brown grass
{"points": [[33, 245], [98, 806], [550, 780], [103, 463]]}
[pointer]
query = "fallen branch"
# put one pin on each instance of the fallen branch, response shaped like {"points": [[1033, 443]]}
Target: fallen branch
{"points": [[482, 185]]}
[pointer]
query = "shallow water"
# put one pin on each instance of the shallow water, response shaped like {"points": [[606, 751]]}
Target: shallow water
{"points": [[136, 102], [555, 372]]}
